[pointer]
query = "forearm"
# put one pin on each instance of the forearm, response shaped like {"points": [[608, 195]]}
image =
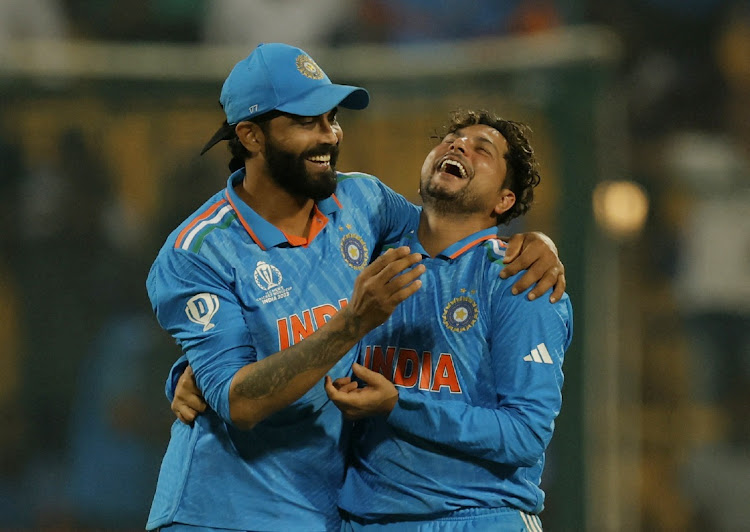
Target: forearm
{"points": [[268, 385], [503, 435]]}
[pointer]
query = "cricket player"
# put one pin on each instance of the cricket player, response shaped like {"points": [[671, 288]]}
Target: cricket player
{"points": [[256, 287], [463, 381]]}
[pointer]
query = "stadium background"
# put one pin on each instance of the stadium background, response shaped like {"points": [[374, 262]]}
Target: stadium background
{"points": [[641, 116]]}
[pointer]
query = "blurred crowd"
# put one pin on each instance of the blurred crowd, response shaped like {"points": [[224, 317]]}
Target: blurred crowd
{"points": [[82, 368]]}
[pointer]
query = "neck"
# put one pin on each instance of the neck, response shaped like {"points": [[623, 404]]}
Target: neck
{"points": [[291, 214], [437, 232]]}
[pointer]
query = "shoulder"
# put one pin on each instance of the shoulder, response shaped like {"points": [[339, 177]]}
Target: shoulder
{"points": [[215, 214], [186, 253], [351, 182], [371, 193], [487, 258], [494, 251], [491, 254]]}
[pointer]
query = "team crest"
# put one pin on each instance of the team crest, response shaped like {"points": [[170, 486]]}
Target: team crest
{"points": [[308, 67], [460, 314], [354, 250]]}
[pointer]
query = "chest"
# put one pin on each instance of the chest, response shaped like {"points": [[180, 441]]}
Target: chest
{"points": [[287, 293], [439, 340]]}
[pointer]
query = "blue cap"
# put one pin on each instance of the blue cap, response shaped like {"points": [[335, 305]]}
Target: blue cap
{"points": [[277, 76]]}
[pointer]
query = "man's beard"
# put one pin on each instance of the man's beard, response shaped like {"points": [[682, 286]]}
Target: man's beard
{"points": [[288, 171], [449, 202]]}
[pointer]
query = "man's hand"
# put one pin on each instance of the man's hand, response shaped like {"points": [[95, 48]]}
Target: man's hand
{"points": [[537, 254], [378, 290], [264, 387], [188, 401], [377, 398]]}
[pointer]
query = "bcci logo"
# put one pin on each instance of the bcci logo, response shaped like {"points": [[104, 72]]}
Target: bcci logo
{"points": [[460, 314], [200, 309], [266, 276], [308, 67], [354, 250]]}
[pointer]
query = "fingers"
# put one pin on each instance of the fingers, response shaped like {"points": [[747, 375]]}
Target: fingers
{"points": [[192, 401], [396, 274], [331, 390], [537, 254], [188, 402], [387, 282], [184, 413], [518, 262], [548, 280], [560, 286], [350, 387], [187, 392], [535, 274], [515, 243], [365, 374], [342, 381], [384, 260]]}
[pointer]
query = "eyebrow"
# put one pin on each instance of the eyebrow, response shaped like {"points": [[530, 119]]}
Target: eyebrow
{"points": [[478, 138]]}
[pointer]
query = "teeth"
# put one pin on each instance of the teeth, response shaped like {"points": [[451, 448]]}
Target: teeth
{"points": [[458, 165], [321, 158]]}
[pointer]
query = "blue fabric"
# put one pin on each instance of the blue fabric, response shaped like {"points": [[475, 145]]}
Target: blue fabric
{"points": [[231, 291], [479, 375], [470, 520], [279, 76]]}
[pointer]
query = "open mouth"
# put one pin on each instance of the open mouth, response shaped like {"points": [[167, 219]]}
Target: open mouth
{"points": [[321, 161], [449, 166]]}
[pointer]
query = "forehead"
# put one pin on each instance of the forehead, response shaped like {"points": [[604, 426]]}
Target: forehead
{"points": [[485, 134]]}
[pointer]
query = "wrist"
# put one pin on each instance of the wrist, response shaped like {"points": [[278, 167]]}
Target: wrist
{"points": [[391, 403]]}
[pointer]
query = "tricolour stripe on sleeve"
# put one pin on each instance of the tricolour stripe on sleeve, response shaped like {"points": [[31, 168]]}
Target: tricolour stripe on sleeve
{"points": [[204, 223], [197, 220]]}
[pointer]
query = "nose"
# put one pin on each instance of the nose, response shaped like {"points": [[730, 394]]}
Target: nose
{"points": [[328, 131], [459, 143]]}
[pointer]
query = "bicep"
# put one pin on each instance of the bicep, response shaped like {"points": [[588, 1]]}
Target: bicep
{"points": [[198, 308], [528, 348]]}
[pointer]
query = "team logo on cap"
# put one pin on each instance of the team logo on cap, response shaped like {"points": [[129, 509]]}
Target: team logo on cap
{"points": [[354, 250], [460, 314], [308, 67]]}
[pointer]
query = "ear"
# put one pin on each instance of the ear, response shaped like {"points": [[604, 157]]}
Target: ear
{"points": [[251, 136], [507, 200]]}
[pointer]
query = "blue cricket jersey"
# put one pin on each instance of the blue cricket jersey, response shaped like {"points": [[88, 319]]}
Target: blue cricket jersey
{"points": [[479, 376], [231, 290]]}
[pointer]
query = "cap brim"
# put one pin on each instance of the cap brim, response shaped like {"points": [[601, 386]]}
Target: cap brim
{"points": [[225, 132], [324, 98]]}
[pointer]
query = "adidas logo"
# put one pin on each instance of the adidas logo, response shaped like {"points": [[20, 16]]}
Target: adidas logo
{"points": [[540, 354]]}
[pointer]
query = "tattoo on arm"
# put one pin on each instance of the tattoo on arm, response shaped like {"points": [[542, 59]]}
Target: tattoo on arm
{"points": [[322, 350]]}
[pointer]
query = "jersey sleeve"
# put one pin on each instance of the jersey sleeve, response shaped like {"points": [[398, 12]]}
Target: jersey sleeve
{"points": [[175, 371], [388, 210], [197, 307], [398, 215], [529, 388]]}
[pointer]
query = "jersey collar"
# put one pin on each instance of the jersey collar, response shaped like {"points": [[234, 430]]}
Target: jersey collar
{"points": [[264, 233], [454, 250]]}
